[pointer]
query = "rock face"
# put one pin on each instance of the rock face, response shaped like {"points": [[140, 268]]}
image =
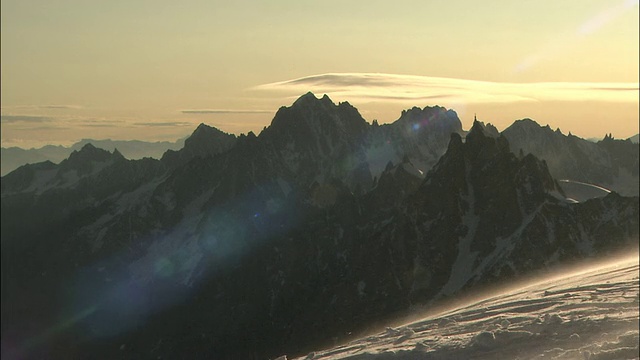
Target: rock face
{"points": [[318, 141], [610, 163], [14, 157], [205, 141], [255, 246], [41, 177]]}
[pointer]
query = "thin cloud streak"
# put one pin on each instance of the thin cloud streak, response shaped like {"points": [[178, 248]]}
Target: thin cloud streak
{"points": [[605, 17], [160, 124], [223, 111], [98, 125], [59, 107], [404, 88], [24, 118], [47, 128], [54, 106]]}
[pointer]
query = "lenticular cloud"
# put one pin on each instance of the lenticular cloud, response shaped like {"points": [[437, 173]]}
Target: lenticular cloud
{"points": [[394, 87]]}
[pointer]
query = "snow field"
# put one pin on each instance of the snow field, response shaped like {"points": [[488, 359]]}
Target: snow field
{"points": [[591, 314]]}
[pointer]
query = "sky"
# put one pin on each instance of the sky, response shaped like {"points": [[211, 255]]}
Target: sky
{"points": [[153, 70]]}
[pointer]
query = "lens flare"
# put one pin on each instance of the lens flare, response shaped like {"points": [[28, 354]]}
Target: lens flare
{"points": [[164, 267]]}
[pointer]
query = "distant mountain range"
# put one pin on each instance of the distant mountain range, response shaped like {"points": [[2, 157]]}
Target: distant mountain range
{"points": [[13, 157], [322, 225], [609, 163]]}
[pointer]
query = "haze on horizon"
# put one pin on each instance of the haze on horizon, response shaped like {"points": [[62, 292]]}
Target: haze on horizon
{"points": [[154, 70]]}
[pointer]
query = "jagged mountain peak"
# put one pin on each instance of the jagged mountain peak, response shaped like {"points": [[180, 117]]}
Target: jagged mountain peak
{"points": [[416, 110], [485, 160], [481, 148], [608, 137], [309, 117], [395, 184], [481, 131], [204, 127], [406, 166], [86, 160], [206, 132], [117, 154], [317, 140], [88, 147], [90, 153], [531, 127], [309, 104], [490, 129], [204, 141], [477, 130], [430, 117], [478, 192], [205, 137], [483, 145], [526, 122], [310, 98], [608, 163]]}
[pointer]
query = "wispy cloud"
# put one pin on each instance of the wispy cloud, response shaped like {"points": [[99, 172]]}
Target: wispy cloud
{"points": [[24, 118], [411, 88], [96, 125], [60, 107], [47, 128], [53, 106], [161, 124], [224, 111], [91, 121]]}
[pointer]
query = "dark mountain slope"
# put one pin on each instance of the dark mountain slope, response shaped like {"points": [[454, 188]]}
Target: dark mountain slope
{"points": [[610, 163], [281, 241], [481, 215]]}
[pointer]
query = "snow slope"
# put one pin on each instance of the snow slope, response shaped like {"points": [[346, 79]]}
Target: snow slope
{"points": [[591, 313]]}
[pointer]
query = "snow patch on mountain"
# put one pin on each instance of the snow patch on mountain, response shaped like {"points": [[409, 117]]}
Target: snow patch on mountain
{"points": [[410, 169], [462, 268], [176, 253]]}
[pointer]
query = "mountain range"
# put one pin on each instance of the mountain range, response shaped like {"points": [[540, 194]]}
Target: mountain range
{"points": [[12, 158], [321, 226]]}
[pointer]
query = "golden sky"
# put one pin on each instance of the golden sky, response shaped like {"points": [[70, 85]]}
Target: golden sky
{"points": [[153, 70]]}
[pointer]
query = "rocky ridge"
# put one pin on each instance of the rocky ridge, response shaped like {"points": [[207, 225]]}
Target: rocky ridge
{"points": [[319, 225]]}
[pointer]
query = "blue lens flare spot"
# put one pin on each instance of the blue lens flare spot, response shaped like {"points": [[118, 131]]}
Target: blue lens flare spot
{"points": [[164, 267]]}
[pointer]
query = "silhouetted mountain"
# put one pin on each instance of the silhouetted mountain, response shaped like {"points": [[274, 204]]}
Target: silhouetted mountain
{"points": [[610, 163], [14, 157], [204, 141], [489, 129], [420, 134], [133, 149], [255, 246], [46, 176]]}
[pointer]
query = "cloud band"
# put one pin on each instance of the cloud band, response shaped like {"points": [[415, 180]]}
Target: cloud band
{"points": [[394, 87], [224, 111]]}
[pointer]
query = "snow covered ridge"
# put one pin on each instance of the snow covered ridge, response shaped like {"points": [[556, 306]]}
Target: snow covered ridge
{"points": [[591, 313]]}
